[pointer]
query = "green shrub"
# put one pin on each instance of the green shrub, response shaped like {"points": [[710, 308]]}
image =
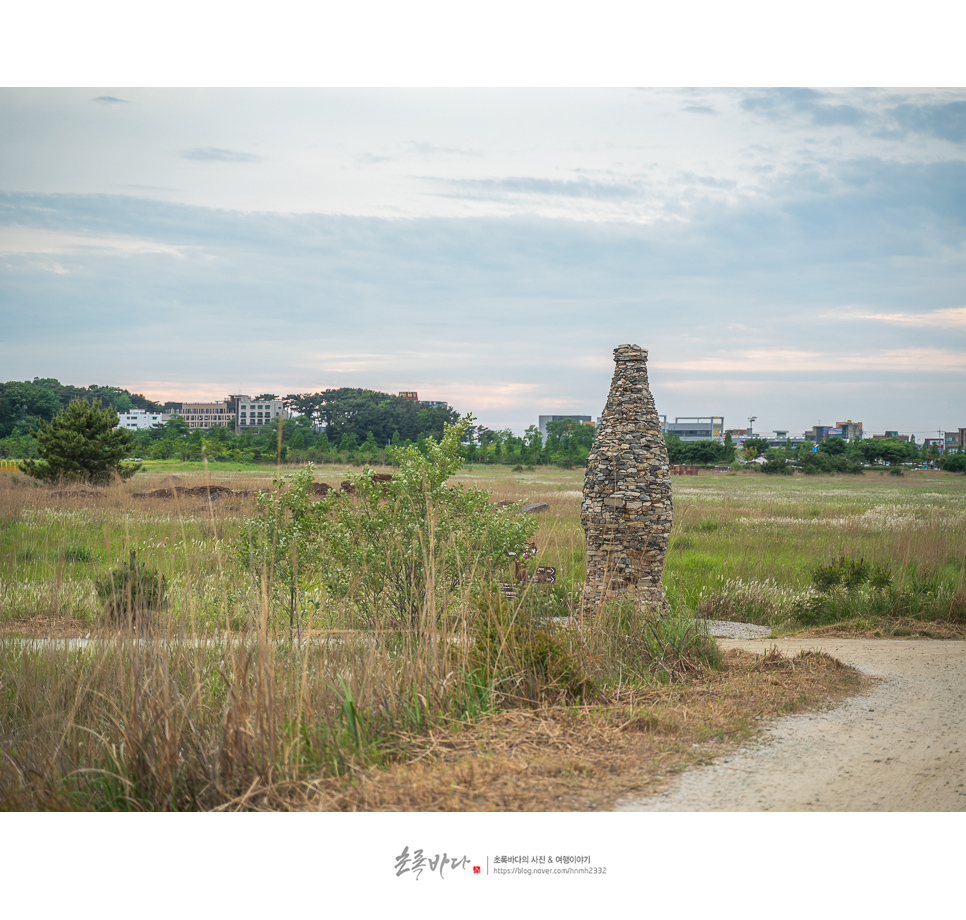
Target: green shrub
{"points": [[850, 574], [778, 465], [394, 553], [850, 589], [954, 463]]}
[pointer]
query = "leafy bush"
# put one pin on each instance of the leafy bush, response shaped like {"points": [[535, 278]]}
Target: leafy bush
{"points": [[392, 552], [777, 465], [850, 589], [954, 463]]}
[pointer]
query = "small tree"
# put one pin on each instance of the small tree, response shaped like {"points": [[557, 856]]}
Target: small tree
{"points": [[755, 447], [82, 444], [833, 446]]}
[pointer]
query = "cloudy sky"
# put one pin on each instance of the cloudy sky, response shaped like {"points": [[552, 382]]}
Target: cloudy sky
{"points": [[794, 255]]}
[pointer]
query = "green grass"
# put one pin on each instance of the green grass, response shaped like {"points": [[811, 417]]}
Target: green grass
{"points": [[758, 564], [742, 546]]}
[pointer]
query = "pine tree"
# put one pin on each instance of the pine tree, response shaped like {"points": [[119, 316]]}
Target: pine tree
{"points": [[82, 444]]}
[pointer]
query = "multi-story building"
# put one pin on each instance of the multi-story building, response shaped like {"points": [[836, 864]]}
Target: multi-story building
{"points": [[238, 408], [204, 415], [851, 431], [696, 428], [955, 440], [134, 419], [543, 419], [848, 431], [818, 433], [252, 413]]}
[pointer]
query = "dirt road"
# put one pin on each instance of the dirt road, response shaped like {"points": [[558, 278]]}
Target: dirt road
{"points": [[901, 747]]}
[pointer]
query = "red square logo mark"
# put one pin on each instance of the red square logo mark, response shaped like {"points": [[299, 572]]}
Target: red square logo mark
{"points": [[476, 870]]}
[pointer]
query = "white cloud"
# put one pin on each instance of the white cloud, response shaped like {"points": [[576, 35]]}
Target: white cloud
{"points": [[952, 318], [777, 361], [36, 241]]}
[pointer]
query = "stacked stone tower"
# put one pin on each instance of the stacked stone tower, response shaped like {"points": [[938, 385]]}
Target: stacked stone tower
{"points": [[626, 509]]}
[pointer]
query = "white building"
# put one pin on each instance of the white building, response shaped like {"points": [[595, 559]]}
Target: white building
{"points": [[134, 419], [252, 413]]}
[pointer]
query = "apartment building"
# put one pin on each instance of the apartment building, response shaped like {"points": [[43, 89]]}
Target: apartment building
{"points": [[204, 415], [252, 413]]}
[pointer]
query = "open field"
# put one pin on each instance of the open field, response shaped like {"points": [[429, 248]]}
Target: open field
{"points": [[745, 547], [344, 713]]}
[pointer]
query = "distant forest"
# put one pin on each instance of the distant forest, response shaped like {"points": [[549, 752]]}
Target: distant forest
{"points": [[25, 404]]}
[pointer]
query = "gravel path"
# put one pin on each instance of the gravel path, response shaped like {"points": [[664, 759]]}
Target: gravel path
{"points": [[726, 629], [901, 747]]}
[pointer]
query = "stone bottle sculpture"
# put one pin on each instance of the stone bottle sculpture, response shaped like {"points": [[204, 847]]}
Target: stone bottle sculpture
{"points": [[626, 508]]}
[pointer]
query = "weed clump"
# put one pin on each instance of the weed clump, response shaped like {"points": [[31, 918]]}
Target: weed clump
{"points": [[523, 659], [850, 574], [855, 590], [75, 553], [131, 594]]}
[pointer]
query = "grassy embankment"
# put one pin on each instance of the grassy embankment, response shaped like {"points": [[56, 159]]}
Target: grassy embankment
{"points": [[378, 718]]}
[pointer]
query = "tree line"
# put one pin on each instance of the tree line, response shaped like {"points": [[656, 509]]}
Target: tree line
{"points": [[353, 441], [355, 426], [25, 404], [833, 455]]}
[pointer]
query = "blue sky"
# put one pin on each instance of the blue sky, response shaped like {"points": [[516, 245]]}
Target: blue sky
{"points": [[795, 255]]}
